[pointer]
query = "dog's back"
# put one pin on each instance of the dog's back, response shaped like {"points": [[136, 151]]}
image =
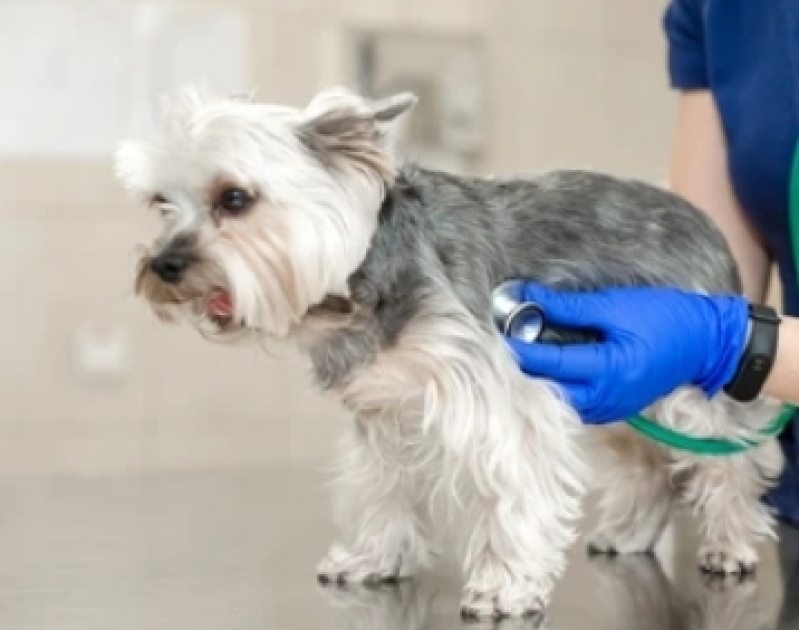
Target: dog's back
{"points": [[571, 229], [575, 229]]}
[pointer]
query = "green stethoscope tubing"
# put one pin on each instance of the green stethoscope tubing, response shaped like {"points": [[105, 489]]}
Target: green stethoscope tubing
{"points": [[717, 446], [707, 446]]}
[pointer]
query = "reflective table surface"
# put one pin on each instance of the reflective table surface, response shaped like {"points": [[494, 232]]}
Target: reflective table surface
{"points": [[237, 549]]}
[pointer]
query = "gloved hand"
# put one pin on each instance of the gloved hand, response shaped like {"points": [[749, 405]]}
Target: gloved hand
{"points": [[654, 341]]}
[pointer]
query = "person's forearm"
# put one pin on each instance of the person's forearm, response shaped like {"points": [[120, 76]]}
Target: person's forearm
{"points": [[783, 382], [700, 174]]}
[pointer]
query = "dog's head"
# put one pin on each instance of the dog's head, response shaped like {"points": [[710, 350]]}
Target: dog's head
{"points": [[266, 209]]}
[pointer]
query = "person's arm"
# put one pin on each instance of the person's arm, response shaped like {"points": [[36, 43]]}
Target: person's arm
{"points": [[783, 382], [699, 170], [700, 174]]}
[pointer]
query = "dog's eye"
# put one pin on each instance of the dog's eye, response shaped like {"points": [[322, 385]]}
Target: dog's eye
{"points": [[161, 203], [235, 201]]}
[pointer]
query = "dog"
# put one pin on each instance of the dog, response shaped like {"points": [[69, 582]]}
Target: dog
{"points": [[304, 225]]}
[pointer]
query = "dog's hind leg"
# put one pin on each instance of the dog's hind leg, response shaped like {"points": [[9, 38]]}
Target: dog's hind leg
{"points": [[636, 492], [725, 492], [382, 535]]}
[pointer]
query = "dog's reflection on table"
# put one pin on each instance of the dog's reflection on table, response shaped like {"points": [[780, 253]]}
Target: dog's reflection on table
{"points": [[404, 605], [641, 596], [632, 592]]}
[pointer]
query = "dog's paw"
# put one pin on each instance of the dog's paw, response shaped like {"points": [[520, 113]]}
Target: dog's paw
{"points": [[599, 545], [723, 559], [516, 602], [341, 566], [606, 542]]}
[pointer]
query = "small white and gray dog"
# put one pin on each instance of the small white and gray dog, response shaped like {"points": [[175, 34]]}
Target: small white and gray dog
{"points": [[302, 224]]}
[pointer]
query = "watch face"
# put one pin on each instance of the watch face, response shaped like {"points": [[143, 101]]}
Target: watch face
{"points": [[759, 364]]}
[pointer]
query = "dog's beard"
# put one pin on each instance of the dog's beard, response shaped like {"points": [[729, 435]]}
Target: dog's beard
{"points": [[202, 297]]}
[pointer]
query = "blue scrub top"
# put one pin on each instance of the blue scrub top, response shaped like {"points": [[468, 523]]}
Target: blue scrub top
{"points": [[746, 52]]}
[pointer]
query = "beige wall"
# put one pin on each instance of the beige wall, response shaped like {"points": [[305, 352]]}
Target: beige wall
{"points": [[570, 83]]}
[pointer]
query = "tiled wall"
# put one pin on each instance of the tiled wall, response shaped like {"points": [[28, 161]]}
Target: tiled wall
{"points": [[570, 83]]}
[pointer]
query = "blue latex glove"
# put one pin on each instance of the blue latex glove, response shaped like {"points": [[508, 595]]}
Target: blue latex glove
{"points": [[654, 341]]}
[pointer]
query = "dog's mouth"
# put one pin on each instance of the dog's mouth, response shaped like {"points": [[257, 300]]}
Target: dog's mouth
{"points": [[219, 308]]}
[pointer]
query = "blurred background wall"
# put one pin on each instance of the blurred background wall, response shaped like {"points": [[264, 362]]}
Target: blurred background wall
{"points": [[89, 382]]}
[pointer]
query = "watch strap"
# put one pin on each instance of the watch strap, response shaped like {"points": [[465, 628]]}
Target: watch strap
{"points": [[758, 356]]}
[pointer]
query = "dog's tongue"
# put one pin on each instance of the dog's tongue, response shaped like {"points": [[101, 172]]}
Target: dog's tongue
{"points": [[219, 304]]}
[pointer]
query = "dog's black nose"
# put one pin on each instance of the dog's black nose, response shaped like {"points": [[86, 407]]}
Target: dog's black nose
{"points": [[170, 266]]}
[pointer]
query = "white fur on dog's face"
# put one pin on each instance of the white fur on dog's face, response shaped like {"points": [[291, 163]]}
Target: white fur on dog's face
{"points": [[266, 209]]}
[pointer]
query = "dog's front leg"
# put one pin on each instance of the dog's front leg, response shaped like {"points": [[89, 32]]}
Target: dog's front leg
{"points": [[382, 537], [526, 475]]}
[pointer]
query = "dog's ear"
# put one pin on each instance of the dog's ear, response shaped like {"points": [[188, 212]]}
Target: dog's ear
{"points": [[389, 114], [339, 124], [388, 109]]}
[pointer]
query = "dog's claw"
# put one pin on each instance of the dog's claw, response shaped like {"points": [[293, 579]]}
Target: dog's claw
{"points": [[595, 550], [375, 579], [499, 607], [342, 568], [469, 614], [723, 560]]}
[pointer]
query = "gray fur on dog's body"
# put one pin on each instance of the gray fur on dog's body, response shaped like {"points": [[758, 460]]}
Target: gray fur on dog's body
{"points": [[569, 229]]}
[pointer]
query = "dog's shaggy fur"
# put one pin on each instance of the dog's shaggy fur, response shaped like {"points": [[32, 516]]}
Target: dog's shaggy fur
{"points": [[302, 224]]}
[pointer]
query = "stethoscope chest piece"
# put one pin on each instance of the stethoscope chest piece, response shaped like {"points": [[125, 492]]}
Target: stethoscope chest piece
{"points": [[514, 317]]}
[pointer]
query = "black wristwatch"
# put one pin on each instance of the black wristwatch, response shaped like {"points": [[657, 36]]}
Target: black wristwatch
{"points": [[758, 355]]}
